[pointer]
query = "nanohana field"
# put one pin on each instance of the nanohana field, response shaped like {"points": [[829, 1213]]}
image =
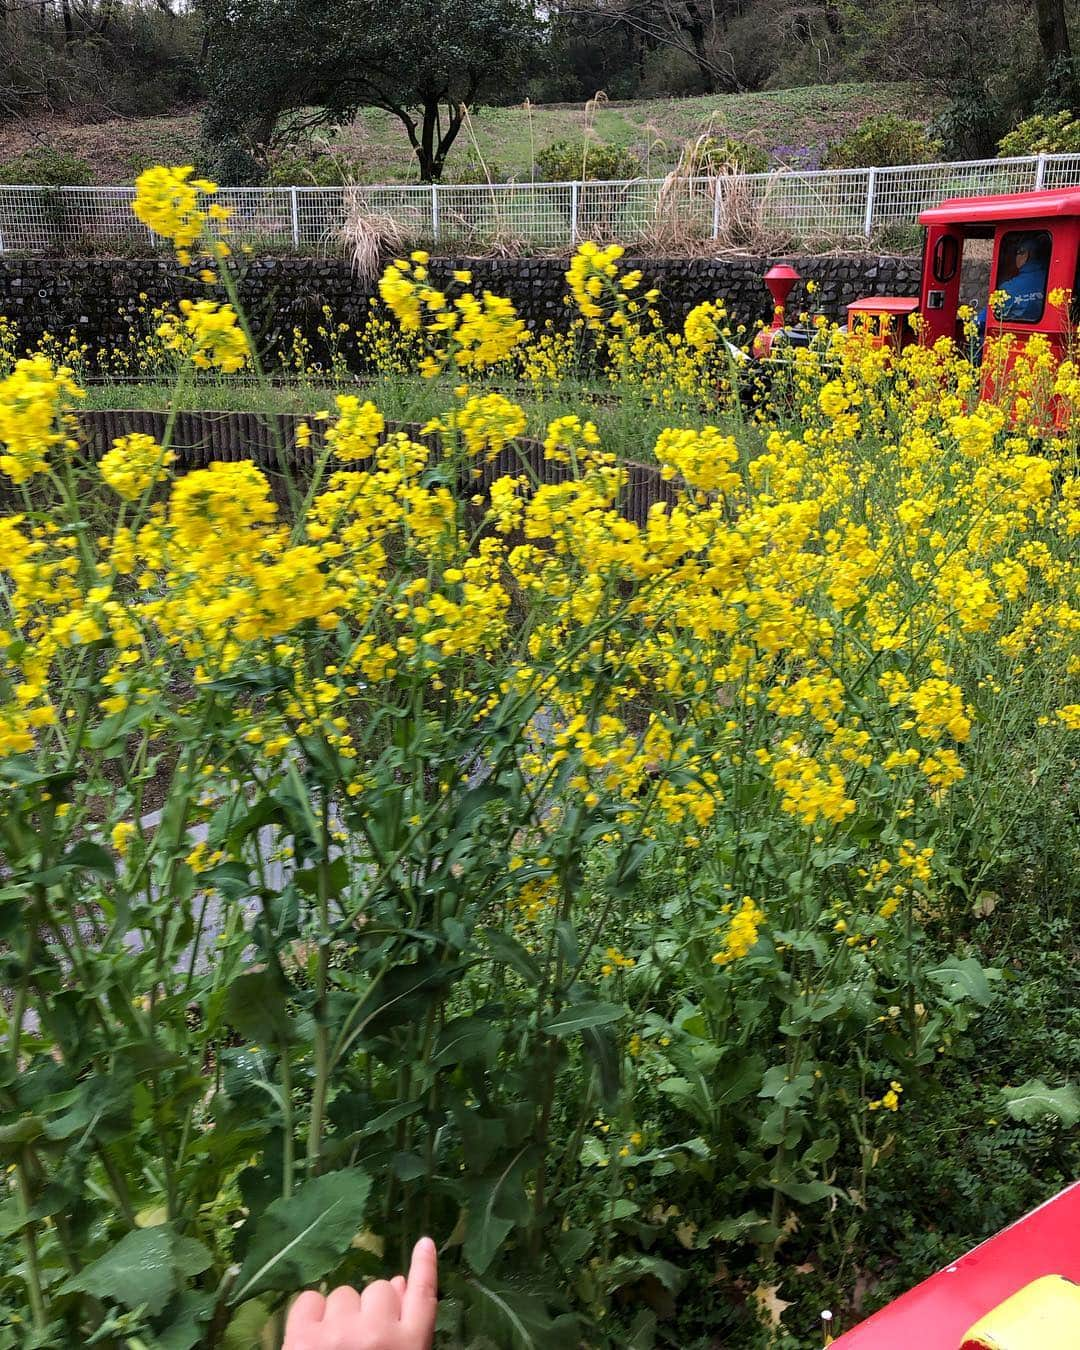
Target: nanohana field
{"points": [[673, 917]]}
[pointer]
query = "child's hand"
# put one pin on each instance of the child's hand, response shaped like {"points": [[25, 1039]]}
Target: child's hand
{"points": [[397, 1314]]}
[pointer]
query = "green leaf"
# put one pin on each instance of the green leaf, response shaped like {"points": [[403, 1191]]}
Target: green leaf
{"points": [[385, 1119], [484, 1235], [20, 1132], [784, 1090], [1034, 1100], [86, 854], [642, 1335], [578, 1016], [602, 1048], [145, 1268], [495, 1203], [567, 941], [404, 995], [475, 799], [100, 1106], [256, 1006], [465, 1039], [184, 1321], [245, 1328], [510, 952], [821, 1150], [518, 1320], [302, 1238], [334, 876], [963, 979], [806, 1192], [731, 1230], [623, 877], [626, 1269], [739, 1083]]}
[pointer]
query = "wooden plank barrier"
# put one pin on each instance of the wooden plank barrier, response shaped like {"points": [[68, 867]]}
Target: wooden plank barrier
{"points": [[198, 438]]}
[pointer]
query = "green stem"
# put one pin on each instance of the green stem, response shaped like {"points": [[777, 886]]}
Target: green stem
{"points": [[288, 1152], [322, 1029], [33, 1264]]}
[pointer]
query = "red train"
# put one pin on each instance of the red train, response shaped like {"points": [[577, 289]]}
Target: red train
{"points": [[1019, 1290]]}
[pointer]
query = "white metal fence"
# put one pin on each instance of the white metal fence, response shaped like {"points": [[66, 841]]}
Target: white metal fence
{"points": [[779, 207]]}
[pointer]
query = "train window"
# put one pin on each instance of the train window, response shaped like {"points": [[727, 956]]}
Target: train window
{"points": [[1023, 268], [946, 258]]}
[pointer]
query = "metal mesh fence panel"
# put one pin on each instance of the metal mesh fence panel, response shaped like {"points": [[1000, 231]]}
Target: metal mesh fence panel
{"points": [[260, 216], [767, 210], [1061, 171], [900, 194], [797, 207], [505, 214], [44, 219]]}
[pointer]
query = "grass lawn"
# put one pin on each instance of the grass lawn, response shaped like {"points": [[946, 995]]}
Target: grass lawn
{"points": [[792, 124]]}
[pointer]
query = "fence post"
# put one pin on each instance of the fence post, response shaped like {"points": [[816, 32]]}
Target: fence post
{"points": [[294, 207], [868, 219], [573, 213], [716, 208], [1040, 171], [435, 212]]}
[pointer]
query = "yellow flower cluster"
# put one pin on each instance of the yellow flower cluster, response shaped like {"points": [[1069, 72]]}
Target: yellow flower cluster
{"points": [[208, 334], [938, 707], [703, 459], [33, 399], [808, 789], [487, 422], [465, 332], [168, 201], [598, 290], [742, 932], [134, 464], [823, 623], [702, 326], [357, 431], [569, 438], [615, 960], [889, 1099]]}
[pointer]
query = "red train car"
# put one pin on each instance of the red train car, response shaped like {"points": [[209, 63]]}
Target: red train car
{"points": [[1019, 1290], [1034, 259]]}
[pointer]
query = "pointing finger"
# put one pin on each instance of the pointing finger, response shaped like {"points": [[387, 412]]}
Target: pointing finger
{"points": [[419, 1305]]}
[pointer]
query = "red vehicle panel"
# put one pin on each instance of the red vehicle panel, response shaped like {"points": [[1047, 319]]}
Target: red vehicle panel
{"points": [[937, 1314]]}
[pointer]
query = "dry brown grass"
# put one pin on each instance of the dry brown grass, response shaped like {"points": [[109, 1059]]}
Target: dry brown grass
{"points": [[367, 237]]}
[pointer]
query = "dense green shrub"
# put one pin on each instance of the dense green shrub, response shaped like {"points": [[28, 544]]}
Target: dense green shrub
{"points": [[308, 170], [883, 141], [566, 161], [968, 128], [48, 168], [1045, 133]]}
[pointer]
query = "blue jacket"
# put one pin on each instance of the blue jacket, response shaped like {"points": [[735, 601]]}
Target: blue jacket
{"points": [[1025, 295]]}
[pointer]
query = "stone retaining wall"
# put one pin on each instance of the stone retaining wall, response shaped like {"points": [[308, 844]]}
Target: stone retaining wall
{"points": [[99, 297]]}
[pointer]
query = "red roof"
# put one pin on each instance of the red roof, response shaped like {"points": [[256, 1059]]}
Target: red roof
{"points": [[1006, 206], [887, 304]]}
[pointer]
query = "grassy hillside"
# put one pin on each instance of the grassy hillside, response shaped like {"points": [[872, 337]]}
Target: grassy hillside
{"points": [[794, 125]]}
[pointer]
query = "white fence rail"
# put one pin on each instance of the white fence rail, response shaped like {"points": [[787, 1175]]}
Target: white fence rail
{"points": [[783, 206]]}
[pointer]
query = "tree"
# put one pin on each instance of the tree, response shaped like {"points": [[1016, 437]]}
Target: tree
{"points": [[1053, 30], [693, 27], [425, 61]]}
